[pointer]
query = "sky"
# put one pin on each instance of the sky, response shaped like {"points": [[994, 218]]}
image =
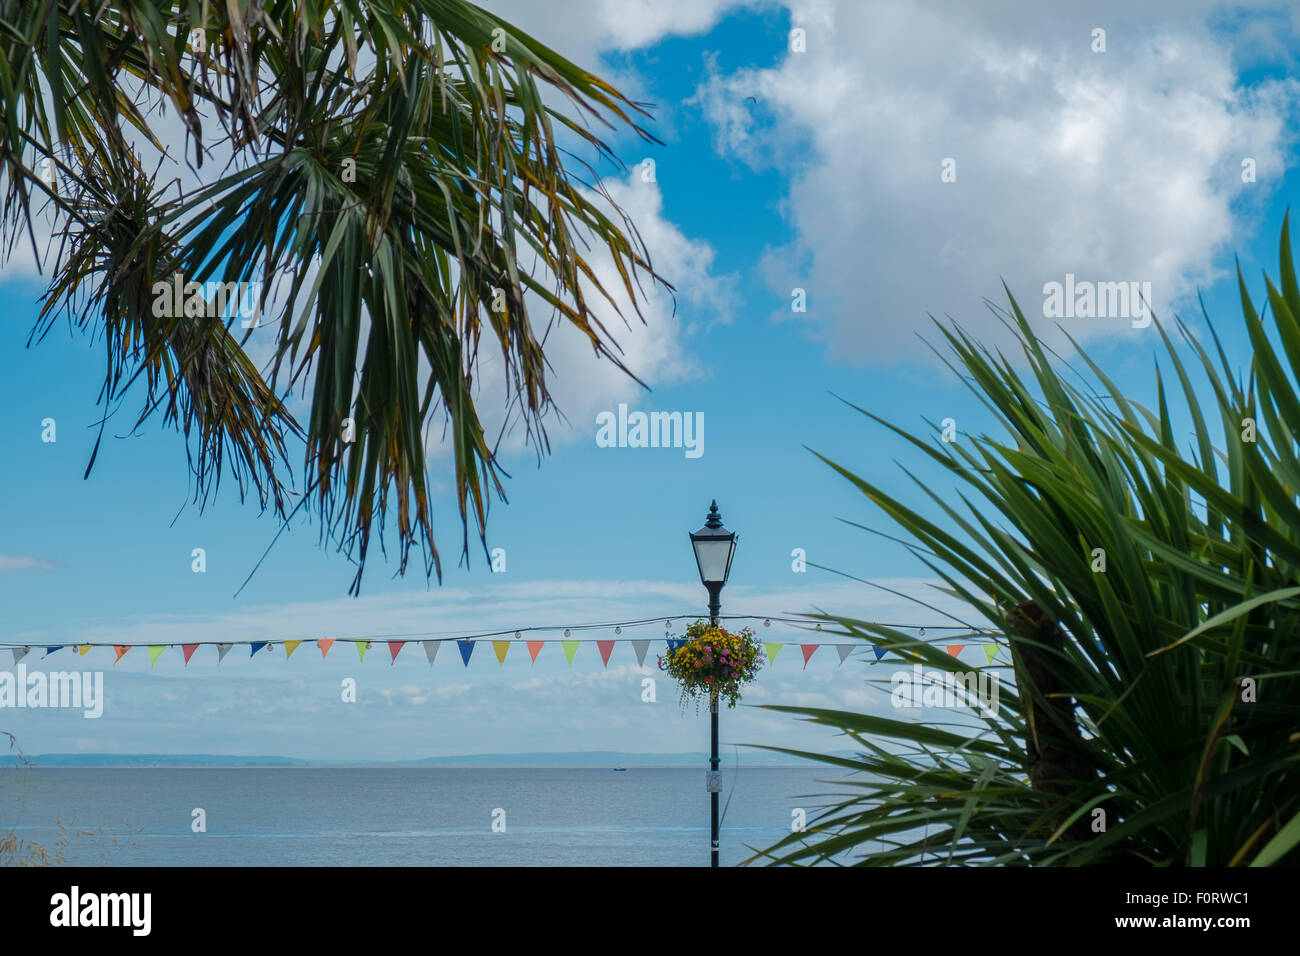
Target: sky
{"points": [[892, 163]]}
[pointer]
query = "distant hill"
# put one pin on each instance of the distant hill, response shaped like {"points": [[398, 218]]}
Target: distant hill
{"points": [[599, 758]]}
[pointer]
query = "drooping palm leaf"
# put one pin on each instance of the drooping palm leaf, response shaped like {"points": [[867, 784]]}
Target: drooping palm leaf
{"points": [[400, 161]]}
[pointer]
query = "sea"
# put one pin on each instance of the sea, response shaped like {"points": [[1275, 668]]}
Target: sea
{"points": [[384, 816]]}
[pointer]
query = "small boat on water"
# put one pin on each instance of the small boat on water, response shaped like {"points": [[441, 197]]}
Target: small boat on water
{"points": [[620, 769]]}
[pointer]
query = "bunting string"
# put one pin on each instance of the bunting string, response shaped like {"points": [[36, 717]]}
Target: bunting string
{"points": [[503, 640]]}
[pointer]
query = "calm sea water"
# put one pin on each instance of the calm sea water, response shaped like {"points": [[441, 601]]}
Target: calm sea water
{"points": [[402, 816]]}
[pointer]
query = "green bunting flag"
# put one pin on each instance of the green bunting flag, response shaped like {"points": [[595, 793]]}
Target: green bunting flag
{"points": [[990, 651], [155, 652], [362, 647], [570, 648], [772, 651]]}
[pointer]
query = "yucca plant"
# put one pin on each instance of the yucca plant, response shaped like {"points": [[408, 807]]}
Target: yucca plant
{"points": [[1149, 598], [403, 163]]}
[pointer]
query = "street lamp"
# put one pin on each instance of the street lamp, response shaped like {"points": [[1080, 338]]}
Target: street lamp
{"points": [[714, 548]]}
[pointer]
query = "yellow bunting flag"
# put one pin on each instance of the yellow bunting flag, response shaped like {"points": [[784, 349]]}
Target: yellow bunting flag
{"points": [[325, 643], [501, 648], [570, 648], [83, 650], [289, 648], [155, 652]]}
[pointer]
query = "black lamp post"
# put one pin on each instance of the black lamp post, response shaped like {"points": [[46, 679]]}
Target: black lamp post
{"points": [[714, 547]]}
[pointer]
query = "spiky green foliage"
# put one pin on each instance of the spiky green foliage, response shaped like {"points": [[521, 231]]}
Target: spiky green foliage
{"points": [[396, 159], [1146, 704]]}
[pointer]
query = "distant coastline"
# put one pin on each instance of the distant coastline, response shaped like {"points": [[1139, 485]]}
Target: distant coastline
{"points": [[580, 759]]}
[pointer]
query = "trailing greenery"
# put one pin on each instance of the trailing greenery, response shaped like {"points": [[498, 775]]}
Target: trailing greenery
{"points": [[397, 161], [1164, 690]]}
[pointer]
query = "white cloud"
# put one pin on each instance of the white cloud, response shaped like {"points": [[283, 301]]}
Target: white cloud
{"points": [[1114, 166], [23, 562]]}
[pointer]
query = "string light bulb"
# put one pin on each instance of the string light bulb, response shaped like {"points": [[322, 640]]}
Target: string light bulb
{"points": [[767, 622], [566, 632]]}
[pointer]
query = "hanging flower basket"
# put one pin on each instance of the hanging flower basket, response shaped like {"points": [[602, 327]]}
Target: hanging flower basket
{"points": [[713, 664]]}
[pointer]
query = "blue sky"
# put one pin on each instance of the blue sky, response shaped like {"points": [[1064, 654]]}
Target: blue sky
{"points": [[1111, 166]]}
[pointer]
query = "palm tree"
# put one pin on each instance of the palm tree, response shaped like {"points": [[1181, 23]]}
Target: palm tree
{"points": [[401, 161], [1144, 597]]}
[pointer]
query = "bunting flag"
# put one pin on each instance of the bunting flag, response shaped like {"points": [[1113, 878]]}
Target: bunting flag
{"points": [[570, 648], [84, 649], [845, 650], [956, 649], [155, 652], [772, 651], [21, 652], [222, 651], [673, 646], [431, 650], [362, 647], [990, 651], [535, 648], [640, 647], [289, 648], [606, 648], [51, 650], [501, 649], [466, 649], [394, 648], [880, 652], [121, 650], [808, 651], [188, 651], [255, 647], [325, 643]]}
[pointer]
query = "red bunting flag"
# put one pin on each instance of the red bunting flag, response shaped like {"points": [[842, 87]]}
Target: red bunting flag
{"points": [[955, 649], [188, 650], [394, 647], [121, 649], [535, 648], [606, 648], [325, 643], [808, 651]]}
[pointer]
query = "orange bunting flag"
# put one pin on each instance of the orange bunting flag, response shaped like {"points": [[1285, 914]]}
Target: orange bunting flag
{"points": [[955, 649], [188, 651], [325, 643], [808, 651], [121, 649], [501, 648], [606, 648], [394, 648], [535, 648]]}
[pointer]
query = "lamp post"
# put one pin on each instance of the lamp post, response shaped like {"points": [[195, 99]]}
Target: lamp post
{"points": [[714, 547]]}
